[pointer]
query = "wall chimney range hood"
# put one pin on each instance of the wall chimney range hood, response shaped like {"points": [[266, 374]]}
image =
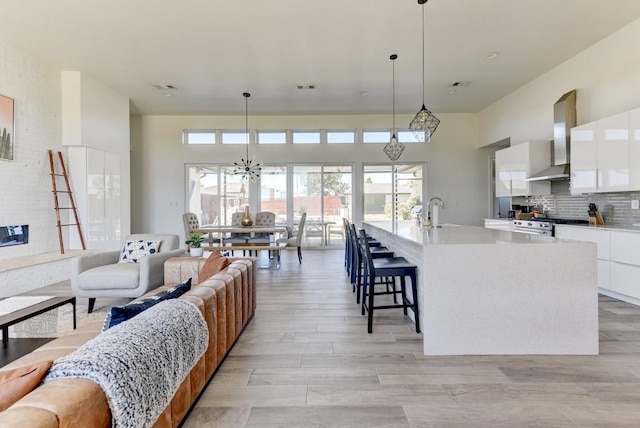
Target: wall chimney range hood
{"points": [[564, 118]]}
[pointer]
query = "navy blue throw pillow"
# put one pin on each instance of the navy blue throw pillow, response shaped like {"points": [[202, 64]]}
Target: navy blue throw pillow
{"points": [[119, 314]]}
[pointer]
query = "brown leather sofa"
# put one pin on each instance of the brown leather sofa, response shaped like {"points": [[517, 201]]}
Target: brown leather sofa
{"points": [[227, 300]]}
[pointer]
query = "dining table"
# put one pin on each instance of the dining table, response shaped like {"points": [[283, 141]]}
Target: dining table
{"points": [[273, 246]]}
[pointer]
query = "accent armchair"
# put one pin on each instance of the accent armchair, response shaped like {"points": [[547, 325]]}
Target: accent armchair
{"points": [[100, 274]]}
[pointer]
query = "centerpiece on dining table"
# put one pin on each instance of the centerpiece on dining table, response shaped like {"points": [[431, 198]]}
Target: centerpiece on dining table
{"points": [[246, 219]]}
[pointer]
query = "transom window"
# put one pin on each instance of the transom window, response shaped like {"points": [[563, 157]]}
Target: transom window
{"points": [[306, 137], [341, 137], [234, 137], [380, 136], [200, 136], [271, 137]]}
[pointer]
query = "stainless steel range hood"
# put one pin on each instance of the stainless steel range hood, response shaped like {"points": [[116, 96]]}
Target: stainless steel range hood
{"points": [[564, 118]]}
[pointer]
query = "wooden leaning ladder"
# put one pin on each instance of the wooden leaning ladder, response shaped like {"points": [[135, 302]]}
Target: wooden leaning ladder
{"points": [[57, 202]]}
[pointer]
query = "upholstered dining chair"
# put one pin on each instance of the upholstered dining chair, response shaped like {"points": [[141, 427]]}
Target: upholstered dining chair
{"points": [[266, 219], [191, 223], [296, 240], [236, 238]]}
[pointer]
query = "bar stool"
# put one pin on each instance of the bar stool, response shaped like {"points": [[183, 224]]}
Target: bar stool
{"points": [[358, 267], [383, 267]]}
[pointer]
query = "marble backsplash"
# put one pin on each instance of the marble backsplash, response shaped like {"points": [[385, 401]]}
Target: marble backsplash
{"points": [[615, 207]]}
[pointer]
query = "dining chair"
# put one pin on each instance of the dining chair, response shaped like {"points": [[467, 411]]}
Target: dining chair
{"points": [[296, 240], [191, 223], [265, 219], [237, 237]]}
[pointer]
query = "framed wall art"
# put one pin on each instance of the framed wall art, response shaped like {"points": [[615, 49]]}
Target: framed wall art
{"points": [[7, 128]]}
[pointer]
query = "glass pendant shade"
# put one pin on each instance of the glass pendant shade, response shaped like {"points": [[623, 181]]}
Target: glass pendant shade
{"points": [[424, 124], [393, 149], [246, 167]]}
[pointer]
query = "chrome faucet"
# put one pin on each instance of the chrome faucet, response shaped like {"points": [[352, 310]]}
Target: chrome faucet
{"points": [[434, 218]]}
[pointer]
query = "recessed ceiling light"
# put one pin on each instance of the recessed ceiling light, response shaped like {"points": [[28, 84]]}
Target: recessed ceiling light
{"points": [[460, 84], [363, 93], [493, 55]]}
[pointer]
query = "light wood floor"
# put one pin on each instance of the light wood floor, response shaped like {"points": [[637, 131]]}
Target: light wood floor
{"points": [[305, 360]]}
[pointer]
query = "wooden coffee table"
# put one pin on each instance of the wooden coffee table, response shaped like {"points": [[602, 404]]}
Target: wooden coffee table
{"points": [[33, 310]]}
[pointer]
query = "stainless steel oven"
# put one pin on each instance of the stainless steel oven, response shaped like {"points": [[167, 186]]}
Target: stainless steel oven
{"points": [[533, 227], [542, 226]]}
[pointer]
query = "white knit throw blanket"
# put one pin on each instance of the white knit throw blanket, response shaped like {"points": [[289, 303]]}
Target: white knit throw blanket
{"points": [[141, 362]]}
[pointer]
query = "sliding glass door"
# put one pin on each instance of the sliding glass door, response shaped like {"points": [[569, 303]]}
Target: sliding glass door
{"points": [[324, 192]]}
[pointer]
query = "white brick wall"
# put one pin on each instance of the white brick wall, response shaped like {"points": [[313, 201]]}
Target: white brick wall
{"points": [[25, 189]]}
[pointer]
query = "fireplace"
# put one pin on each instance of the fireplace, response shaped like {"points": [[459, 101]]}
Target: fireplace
{"points": [[14, 235]]}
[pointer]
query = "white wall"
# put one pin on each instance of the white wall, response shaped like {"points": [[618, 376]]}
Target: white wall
{"points": [[25, 190], [457, 170], [607, 79]]}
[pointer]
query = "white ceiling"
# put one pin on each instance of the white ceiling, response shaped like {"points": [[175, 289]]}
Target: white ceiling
{"points": [[213, 50]]}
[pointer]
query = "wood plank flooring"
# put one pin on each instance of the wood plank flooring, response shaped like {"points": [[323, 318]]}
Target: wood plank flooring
{"points": [[305, 360]]}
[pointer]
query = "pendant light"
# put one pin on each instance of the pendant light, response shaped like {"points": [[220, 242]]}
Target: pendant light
{"points": [[246, 167], [424, 124], [393, 148]]}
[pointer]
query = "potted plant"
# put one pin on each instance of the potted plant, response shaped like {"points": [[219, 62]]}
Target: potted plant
{"points": [[194, 243]]}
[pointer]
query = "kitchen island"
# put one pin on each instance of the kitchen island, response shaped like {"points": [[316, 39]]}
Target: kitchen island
{"points": [[491, 292]]}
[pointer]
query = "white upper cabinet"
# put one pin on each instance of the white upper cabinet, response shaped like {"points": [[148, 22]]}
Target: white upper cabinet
{"points": [[613, 153], [516, 163], [634, 149], [583, 158]]}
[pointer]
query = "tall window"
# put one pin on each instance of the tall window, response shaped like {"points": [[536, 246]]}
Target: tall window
{"points": [[391, 192]]}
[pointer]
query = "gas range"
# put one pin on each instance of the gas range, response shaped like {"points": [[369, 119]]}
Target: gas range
{"points": [[542, 226]]}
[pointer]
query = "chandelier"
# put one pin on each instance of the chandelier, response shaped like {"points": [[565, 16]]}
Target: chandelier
{"points": [[424, 124], [393, 148], [247, 167]]}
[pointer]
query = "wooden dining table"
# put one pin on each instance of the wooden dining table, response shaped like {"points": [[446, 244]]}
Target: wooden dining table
{"points": [[210, 230], [272, 246]]}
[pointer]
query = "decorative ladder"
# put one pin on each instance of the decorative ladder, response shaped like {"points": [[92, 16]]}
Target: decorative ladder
{"points": [[55, 191]]}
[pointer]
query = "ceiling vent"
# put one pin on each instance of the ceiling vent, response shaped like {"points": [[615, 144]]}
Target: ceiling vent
{"points": [[165, 87], [460, 84], [306, 86]]}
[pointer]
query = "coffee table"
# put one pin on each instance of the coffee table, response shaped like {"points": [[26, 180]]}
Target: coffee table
{"points": [[32, 310]]}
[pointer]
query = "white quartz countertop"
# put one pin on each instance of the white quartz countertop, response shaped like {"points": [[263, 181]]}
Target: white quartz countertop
{"points": [[460, 235], [613, 226]]}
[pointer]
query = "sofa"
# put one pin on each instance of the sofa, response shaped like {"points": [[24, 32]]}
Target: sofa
{"points": [[227, 300]]}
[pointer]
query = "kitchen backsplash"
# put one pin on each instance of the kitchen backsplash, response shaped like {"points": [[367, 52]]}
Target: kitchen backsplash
{"points": [[615, 207]]}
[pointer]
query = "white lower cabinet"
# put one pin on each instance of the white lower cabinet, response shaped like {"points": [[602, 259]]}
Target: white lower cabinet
{"points": [[601, 238], [618, 258], [624, 279], [625, 263]]}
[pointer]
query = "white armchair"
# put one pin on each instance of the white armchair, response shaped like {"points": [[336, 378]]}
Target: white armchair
{"points": [[100, 274]]}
